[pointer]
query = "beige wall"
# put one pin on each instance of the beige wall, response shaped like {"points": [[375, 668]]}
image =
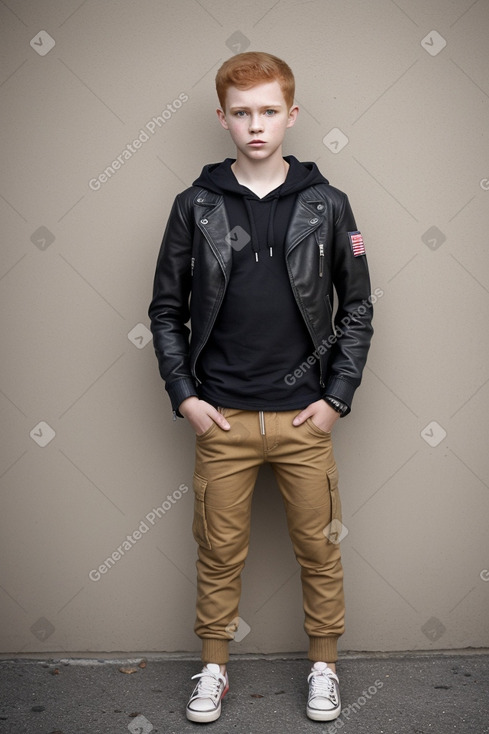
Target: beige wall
{"points": [[76, 278]]}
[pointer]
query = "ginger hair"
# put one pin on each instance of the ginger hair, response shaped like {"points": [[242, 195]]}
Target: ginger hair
{"points": [[248, 69]]}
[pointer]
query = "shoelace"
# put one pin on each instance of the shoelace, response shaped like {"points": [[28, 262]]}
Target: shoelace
{"points": [[208, 686], [323, 685]]}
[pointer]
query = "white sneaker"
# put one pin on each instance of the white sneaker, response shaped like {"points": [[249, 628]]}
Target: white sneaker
{"points": [[324, 702], [205, 702]]}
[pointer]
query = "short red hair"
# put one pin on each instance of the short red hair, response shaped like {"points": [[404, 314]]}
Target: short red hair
{"points": [[248, 69]]}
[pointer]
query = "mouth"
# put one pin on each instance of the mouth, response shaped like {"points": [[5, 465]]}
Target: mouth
{"points": [[256, 142]]}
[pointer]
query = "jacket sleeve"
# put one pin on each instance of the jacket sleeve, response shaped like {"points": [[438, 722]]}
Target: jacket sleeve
{"points": [[353, 318], [169, 309]]}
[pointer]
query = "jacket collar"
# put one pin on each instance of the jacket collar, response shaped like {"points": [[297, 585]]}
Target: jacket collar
{"points": [[211, 218]]}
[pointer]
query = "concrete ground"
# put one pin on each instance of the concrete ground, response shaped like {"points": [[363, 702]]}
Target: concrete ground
{"points": [[425, 693]]}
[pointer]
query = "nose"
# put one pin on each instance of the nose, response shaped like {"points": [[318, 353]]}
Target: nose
{"points": [[256, 123]]}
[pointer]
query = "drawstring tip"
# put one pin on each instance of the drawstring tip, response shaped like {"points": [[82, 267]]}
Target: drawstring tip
{"points": [[271, 252], [256, 257]]}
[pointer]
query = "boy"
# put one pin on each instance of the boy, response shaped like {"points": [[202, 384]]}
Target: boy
{"points": [[258, 242]]}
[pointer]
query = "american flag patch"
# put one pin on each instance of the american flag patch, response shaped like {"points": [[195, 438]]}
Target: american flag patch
{"points": [[356, 242]]}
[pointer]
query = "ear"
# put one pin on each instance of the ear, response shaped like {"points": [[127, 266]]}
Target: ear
{"points": [[293, 112], [222, 118]]}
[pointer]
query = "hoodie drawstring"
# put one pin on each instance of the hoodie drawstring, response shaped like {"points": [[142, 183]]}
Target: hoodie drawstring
{"points": [[254, 235]]}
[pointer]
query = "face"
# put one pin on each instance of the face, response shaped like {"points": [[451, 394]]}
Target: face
{"points": [[257, 119]]}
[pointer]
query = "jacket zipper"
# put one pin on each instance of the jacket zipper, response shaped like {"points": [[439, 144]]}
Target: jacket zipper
{"points": [[204, 341], [298, 301]]}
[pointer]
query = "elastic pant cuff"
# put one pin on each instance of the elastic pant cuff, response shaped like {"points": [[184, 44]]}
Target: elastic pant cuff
{"points": [[215, 651], [323, 649]]}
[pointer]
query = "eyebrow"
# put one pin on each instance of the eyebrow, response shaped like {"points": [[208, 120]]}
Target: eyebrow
{"points": [[263, 107]]}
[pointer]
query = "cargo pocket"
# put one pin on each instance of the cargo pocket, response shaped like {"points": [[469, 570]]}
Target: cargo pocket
{"points": [[335, 531], [199, 525]]}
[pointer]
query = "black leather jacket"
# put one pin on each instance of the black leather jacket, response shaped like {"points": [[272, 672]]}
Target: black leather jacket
{"points": [[193, 270]]}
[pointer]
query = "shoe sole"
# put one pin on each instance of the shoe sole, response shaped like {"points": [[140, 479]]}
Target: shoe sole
{"points": [[317, 715], [203, 717]]}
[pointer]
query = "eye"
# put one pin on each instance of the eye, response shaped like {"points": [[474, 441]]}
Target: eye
{"points": [[240, 113], [271, 113]]}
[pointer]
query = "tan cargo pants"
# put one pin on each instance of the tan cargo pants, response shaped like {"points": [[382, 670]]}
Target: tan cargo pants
{"points": [[226, 468]]}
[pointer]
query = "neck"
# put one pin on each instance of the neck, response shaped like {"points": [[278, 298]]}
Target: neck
{"points": [[269, 170]]}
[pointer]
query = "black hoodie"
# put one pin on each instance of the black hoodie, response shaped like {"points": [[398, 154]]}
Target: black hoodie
{"points": [[259, 335]]}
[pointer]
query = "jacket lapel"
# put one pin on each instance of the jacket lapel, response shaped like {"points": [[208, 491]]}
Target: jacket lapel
{"points": [[211, 218], [308, 215]]}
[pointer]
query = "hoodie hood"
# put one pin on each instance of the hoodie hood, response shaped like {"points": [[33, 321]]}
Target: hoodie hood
{"points": [[220, 179]]}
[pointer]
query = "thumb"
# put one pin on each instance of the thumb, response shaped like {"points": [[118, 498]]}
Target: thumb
{"points": [[302, 416], [218, 418]]}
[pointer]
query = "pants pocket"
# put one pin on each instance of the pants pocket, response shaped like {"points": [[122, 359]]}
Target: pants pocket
{"points": [[315, 430], [199, 525], [335, 531], [207, 432]]}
